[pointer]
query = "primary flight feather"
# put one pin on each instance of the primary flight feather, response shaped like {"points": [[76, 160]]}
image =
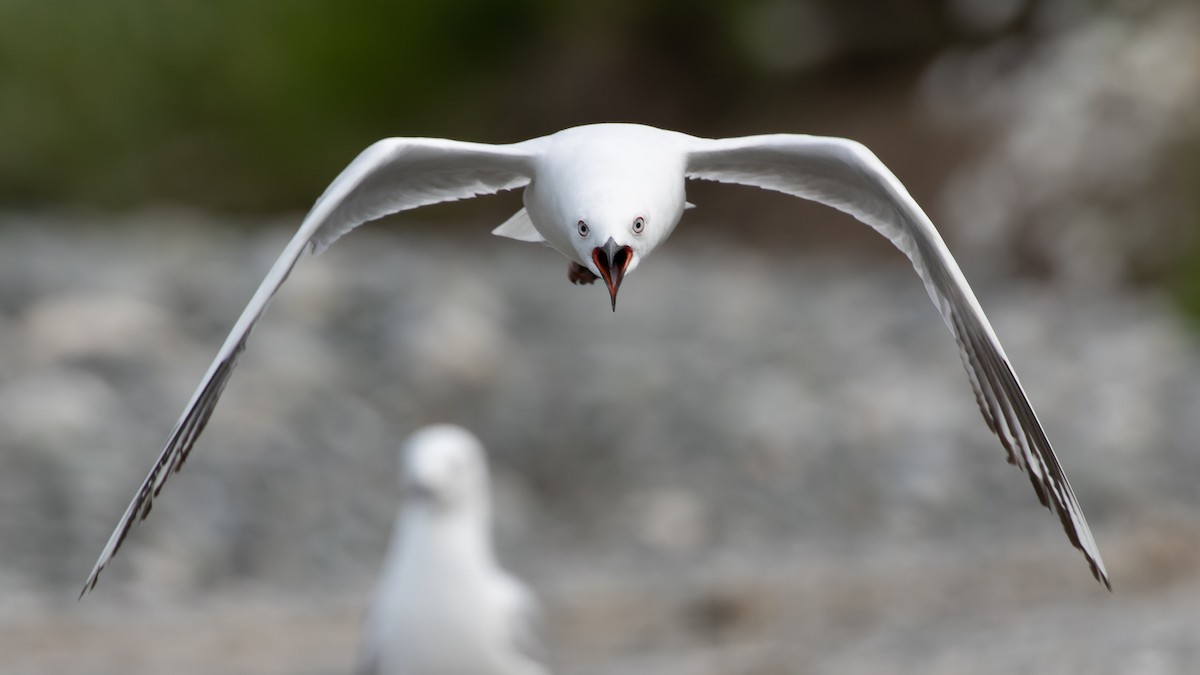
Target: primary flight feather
{"points": [[606, 196]]}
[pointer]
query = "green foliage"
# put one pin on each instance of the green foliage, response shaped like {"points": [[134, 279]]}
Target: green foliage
{"points": [[227, 103], [254, 104], [1186, 281]]}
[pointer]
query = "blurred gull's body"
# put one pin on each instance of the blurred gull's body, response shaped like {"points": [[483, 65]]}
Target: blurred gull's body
{"points": [[605, 196], [443, 606]]}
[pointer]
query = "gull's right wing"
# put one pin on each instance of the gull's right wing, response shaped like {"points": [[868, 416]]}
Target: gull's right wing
{"points": [[392, 175]]}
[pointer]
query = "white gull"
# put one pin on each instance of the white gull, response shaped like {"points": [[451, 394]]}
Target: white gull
{"points": [[607, 195], [442, 604]]}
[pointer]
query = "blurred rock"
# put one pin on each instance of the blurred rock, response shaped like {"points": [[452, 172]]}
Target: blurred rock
{"points": [[769, 463], [1092, 116]]}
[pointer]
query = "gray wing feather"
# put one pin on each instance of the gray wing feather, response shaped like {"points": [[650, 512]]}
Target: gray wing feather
{"points": [[849, 177], [390, 176]]}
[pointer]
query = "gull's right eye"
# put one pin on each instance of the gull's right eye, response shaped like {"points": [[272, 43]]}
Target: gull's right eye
{"points": [[582, 228]]}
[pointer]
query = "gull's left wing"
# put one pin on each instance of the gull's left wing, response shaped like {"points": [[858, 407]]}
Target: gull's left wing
{"points": [[849, 177], [392, 175]]}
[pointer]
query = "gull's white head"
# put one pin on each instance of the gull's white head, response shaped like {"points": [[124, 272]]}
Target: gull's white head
{"points": [[614, 192], [443, 467], [612, 241]]}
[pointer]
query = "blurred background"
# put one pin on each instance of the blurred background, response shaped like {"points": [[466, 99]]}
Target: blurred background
{"points": [[768, 460]]}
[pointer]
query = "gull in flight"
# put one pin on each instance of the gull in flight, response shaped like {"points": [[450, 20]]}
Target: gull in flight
{"points": [[442, 604], [606, 196]]}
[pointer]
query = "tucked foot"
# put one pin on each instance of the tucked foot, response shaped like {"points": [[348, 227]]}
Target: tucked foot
{"points": [[578, 274]]}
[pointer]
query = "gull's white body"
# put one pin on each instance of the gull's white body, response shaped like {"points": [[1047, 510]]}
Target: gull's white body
{"points": [[443, 605], [609, 175]]}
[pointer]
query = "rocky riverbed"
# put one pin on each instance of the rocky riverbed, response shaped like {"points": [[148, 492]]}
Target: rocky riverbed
{"points": [[763, 462]]}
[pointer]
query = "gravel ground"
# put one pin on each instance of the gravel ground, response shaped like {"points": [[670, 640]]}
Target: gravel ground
{"points": [[761, 463]]}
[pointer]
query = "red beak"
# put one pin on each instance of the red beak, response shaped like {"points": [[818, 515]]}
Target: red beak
{"points": [[612, 261]]}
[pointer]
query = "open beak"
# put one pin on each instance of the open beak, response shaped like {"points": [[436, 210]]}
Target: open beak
{"points": [[612, 261]]}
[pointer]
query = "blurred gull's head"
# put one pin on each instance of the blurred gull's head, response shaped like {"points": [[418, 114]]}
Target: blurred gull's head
{"points": [[443, 466]]}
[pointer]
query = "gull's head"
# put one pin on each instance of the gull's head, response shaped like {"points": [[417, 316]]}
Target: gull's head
{"points": [[611, 236], [608, 252], [607, 195], [443, 467]]}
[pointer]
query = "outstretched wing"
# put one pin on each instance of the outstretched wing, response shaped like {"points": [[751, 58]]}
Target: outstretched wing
{"points": [[392, 175], [849, 177]]}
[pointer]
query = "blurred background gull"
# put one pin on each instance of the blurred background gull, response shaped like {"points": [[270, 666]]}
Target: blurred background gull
{"points": [[767, 461], [442, 605]]}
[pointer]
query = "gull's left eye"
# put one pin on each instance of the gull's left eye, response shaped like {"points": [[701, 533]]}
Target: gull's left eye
{"points": [[639, 224]]}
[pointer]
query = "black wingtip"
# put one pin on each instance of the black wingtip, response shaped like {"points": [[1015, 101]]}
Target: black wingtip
{"points": [[89, 585]]}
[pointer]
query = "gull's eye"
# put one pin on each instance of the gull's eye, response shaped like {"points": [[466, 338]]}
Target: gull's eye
{"points": [[639, 224], [582, 228]]}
